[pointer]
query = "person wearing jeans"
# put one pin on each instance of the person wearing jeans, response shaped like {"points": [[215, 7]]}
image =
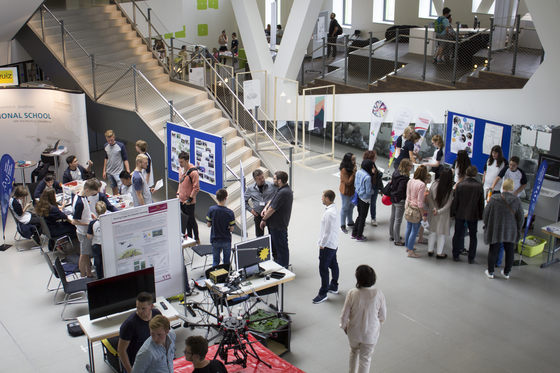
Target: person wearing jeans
{"points": [[347, 177], [222, 221], [377, 184], [399, 182], [415, 191], [364, 189]]}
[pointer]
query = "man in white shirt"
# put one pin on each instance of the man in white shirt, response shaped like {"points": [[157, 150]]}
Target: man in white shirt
{"points": [[328, 245]]}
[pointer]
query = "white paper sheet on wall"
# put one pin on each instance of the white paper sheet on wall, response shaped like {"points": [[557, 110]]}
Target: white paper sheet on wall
{"points": [[528, 136], [543, 140], [492, 136]]}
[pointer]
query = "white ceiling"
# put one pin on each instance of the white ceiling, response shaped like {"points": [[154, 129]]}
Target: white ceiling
{"points": [[14, 14]]}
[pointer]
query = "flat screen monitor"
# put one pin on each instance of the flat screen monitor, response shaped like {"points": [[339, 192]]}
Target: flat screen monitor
{"points": [[553, 166], [249, 256], [118, 293]]}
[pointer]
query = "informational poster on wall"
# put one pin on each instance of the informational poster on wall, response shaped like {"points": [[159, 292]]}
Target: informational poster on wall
{"points": [[317, 113], [206, 160], [206, 153], [321, 32], [179, 143], [377, 114], [143, 237], [462, 134], [492, 136], [35, 119]]}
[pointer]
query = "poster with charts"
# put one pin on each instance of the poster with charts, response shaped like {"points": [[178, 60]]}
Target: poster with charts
{"points": [[205, 160], [492, 136], [462, 134], [179, 143]]}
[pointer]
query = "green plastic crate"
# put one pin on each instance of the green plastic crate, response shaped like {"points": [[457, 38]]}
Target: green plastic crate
{"points": [[531, 250]]}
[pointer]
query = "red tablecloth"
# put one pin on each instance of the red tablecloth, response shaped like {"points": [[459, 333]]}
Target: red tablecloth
{"points": [[279, 365]]}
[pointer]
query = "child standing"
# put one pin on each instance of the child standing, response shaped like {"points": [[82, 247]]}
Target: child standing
{"points": [[94, 234], [82, 215], [222, 221]]}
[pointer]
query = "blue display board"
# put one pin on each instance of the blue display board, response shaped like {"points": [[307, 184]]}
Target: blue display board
{"points": [[475, 135], [206, 152]]}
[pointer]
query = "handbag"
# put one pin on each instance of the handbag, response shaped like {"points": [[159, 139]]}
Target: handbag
{"points": [[411, 213], [354, 199]]}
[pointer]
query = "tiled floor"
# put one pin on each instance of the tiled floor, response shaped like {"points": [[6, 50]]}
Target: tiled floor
{"points": [[442, 316]]}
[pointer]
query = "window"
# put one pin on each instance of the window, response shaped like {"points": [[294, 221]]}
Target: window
{"points": [[429, 8], [433, 11], [483, 6], [384, 11], [389, 11], [347, 12]]}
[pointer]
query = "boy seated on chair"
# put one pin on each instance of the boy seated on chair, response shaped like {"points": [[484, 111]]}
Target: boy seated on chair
{"points": [[221, 220]]}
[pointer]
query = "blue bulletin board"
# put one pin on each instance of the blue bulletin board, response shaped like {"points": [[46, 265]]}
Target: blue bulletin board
{"points": [[475, 135], [206, 152]]}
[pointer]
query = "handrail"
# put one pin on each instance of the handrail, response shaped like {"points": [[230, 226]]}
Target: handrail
{"points": [[247, 110], [113, 84], [66, 30]]}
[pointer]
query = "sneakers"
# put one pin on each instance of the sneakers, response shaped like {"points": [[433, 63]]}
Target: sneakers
{"points": [[374, 222], [361, 239], [504, 275], [343, 229], [353, 237], [489, 275], [320, 299], [333, 289]]}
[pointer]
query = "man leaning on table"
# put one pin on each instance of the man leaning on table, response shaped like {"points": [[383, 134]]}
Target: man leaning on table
{"points": [[135, 330], [158, 352]]}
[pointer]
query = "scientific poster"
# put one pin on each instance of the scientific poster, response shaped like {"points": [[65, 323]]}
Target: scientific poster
{"points": [[179, 143], [141, 241], [321, 33], [205, 160], [462, 134], [422, 126], [492, 136], [377, 114], [318, 119]]}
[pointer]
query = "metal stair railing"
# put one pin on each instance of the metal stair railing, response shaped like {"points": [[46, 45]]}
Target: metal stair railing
{"points": [[108, 82]]}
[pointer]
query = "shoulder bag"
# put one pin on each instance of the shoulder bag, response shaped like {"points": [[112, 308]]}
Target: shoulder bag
{"points": [[411, 213]]}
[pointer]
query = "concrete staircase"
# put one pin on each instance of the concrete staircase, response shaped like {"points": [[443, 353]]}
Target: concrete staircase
{"points": [[105, 33]]}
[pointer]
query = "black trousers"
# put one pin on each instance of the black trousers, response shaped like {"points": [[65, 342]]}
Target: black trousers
{"points": [[192, 226], [363, 209], [330, 46], [509, 248], [258, 231]]}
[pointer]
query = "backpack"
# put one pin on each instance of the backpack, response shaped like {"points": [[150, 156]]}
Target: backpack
{"points": [[189, 173], [438, 25]]}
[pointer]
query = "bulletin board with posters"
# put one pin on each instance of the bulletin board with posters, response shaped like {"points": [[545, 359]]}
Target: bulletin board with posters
{"points": [[206, 151], [475, 135]]}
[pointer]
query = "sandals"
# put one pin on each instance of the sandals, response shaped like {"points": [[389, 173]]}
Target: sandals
{"points": [[414, 249], [413, 255], [424, 242], [399, 243]]}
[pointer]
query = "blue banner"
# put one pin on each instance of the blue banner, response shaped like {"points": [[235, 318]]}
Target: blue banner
{"points": [[534, 196], [7, 166]]}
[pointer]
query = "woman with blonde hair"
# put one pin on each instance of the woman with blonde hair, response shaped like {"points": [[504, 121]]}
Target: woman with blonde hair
{"points": [[436, 162], [503, 219], [415, 191], [399, 182], [407, 150]]}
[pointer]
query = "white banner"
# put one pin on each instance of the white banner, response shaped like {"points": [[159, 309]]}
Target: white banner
{"points": [[377, 114], [422, 126], [33, 119], [252, 94]]}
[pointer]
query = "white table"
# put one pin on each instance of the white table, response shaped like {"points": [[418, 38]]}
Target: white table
{"points": [[109, 326], [554, 232]]}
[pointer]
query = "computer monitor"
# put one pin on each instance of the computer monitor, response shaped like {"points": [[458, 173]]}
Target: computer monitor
{"points": [[553, 166], [252, 252], [118, 293]]}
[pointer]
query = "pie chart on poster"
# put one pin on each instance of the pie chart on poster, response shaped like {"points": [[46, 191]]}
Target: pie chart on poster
{"points": [[379, 109]]}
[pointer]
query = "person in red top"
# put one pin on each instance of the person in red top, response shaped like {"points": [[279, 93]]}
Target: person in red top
{"points": [[188, 188]]}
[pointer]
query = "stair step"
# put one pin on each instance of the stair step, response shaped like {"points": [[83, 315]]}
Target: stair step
{"points": [[85, 11], [100, 48], [200, 120], [227, 133], [234, 144], [241, 154]]}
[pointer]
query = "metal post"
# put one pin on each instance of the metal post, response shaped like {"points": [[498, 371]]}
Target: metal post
{"points": [[324, 45], [135, 88], [256, 129], [396, 50], [42, 23], [517, 33], [455, 54], [290, 170], [150, 25], [302, 71], [171, 110], [425, 51], [172, 61], [369, 58], [93, 76], [63, 42], [345, 59], [490, 43], [165, 145], [134, 13]]}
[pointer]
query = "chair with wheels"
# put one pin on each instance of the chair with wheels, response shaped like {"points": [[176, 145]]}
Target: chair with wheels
{"points": [[54, 241], [25, 232], [71, 288]]}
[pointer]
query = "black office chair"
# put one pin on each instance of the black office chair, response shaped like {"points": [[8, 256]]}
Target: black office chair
{"points": [[69, 269], [71, 288], [25, 235], [32, 187], [54, 241]]}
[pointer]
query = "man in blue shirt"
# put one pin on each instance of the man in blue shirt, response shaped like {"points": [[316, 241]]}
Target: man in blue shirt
{"points": [[221, 220], [115, 161], [48, 181], [444, 32], [157, 353]]}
